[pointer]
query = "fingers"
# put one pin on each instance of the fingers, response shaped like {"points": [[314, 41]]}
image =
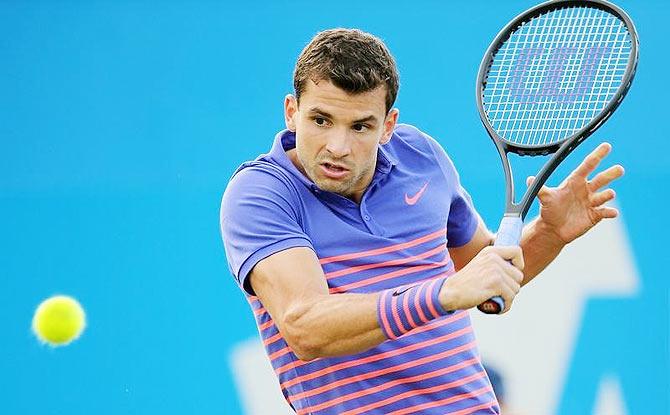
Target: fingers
{"points": [[507, 295], [606, 212], [509, 276], [602, 197], [515, 275], [489, 274], [506, 278], [510, 253], [510, 287], [606, 177], [543, 190], [592, 161]]}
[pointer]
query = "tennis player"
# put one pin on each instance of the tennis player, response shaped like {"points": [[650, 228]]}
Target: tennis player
{"points": [[360, 252]]}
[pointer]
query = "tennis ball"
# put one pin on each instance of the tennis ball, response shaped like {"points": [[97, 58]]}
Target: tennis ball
{"points": [[59, 320]]}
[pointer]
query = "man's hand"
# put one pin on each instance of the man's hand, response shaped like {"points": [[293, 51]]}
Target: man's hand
{"points": [[576, 205], [489, 274]]}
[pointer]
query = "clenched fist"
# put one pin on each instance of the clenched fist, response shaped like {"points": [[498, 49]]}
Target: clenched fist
{"points": [[496, 270]]}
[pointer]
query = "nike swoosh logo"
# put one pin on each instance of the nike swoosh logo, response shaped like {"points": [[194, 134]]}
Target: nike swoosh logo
{"points": [[397, 293], [413, 199]]}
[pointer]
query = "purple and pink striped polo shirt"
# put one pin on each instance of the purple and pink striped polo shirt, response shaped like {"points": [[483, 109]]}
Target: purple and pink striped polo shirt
{"points": [[413, 209]]}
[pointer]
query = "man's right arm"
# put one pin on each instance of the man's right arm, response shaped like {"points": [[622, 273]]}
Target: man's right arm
{"points": [[292, 287]]}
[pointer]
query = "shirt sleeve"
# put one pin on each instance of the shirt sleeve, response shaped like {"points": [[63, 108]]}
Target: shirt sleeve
{"points": [[463, 217], [259, 217]]}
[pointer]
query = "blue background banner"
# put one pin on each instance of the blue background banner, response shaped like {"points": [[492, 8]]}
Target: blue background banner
{"points": [[121, 122]]}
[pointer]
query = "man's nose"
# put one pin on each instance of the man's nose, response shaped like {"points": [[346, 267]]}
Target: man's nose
{"points": [[339, 145]]}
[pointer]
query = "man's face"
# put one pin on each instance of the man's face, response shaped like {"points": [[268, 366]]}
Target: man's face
{"points": [[337, 135]]}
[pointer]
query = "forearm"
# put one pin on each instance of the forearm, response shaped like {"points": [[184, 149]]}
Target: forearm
{"points": [[341, 324], [540, 247], [333, 325]]}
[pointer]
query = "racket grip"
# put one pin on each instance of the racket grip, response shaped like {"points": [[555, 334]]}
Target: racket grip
{"points": [[509, 234], [494, 305]]}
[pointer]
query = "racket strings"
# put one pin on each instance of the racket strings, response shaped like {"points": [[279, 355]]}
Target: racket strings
{"points": [[554, 74]]}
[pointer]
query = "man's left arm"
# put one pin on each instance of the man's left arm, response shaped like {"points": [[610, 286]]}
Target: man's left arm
{"points": [[566, 212]]}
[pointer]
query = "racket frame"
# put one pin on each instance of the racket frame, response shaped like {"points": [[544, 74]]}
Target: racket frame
{"points": [[509, 232], [561, 148]]}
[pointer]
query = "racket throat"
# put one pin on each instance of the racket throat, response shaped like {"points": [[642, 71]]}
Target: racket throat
{"points": [[509, 231]]}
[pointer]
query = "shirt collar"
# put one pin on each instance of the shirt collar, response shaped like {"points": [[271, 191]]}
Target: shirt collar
{"points": [[385, 160], [285, 140]]}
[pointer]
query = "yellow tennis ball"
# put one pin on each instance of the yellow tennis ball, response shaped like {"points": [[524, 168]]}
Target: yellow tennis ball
{"points": [[59, 320]]}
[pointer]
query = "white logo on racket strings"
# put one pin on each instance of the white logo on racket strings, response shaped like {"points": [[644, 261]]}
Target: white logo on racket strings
{"points": [[557, 61]]}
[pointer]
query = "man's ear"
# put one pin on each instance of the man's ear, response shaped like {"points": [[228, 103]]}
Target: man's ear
{"points": [[389, 125], [290, 111]]}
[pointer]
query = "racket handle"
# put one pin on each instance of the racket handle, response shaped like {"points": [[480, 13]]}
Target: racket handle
{"points": [[509, 234], [494, 305]]}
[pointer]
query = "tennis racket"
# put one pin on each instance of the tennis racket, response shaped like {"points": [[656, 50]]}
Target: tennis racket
{"points": [[550, 78]]}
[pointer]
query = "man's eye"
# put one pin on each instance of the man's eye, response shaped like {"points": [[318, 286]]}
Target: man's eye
{"points": [[360, 127], [320, 121]]}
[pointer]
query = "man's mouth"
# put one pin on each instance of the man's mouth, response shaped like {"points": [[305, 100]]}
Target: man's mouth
{"points": [[334, 171], [334, 167]]}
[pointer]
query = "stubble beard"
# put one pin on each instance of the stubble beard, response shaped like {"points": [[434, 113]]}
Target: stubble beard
{"points": [[341, 187]]}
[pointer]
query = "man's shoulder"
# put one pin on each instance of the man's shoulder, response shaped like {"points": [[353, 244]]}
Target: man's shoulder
{"points": [[408, 138], [260, 178], [262, 168], [413, 144], [409, 133]]}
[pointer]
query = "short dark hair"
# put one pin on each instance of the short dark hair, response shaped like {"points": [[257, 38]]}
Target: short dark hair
{"points": [[351, 59]]}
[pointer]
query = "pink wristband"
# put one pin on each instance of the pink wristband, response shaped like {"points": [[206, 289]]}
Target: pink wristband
{"points": [[402, 309]]}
